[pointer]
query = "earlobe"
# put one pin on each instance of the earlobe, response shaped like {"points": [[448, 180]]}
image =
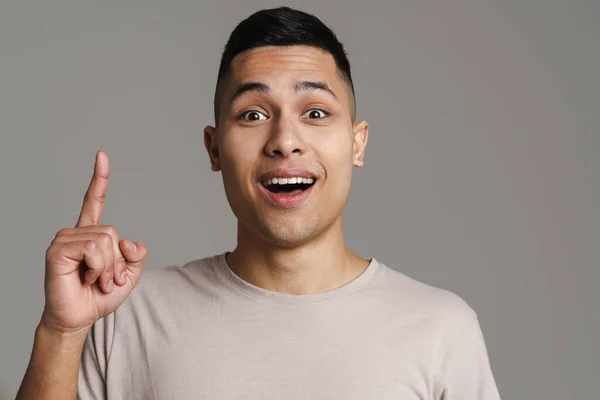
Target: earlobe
{"points": [[210, 142], [361, 135]]}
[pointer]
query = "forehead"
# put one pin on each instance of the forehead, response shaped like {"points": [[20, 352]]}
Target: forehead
{"points": [[270, 63]]}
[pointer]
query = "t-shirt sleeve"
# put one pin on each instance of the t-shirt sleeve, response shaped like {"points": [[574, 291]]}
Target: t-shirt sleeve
{"points": [[94, 359], [463, 367]]}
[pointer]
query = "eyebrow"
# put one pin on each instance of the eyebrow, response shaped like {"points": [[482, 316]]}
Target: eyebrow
{"points": [[302, 86], [242, 88], [314, 85]]}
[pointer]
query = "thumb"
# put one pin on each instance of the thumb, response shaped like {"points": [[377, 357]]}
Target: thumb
{"points": [[134, 252]]}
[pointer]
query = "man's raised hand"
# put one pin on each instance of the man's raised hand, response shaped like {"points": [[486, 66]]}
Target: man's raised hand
{"points": [[89, 270]]}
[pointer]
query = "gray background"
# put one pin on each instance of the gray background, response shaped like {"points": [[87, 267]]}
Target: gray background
{"points": [[481, 172]]}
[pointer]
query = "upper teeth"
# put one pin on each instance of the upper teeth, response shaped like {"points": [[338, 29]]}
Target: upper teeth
{"points": [[285, 181]]}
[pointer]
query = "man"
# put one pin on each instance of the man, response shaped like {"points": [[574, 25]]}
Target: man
{"points": [[291, 312]]}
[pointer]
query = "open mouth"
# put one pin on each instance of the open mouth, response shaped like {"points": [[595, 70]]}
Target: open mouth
{"points": [[288, 186]]}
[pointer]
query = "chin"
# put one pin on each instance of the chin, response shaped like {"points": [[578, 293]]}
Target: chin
{"points": [[289, 233]]}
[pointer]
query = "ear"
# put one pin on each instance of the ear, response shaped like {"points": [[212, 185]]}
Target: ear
{"points": [[361, 135], [210, 142]]}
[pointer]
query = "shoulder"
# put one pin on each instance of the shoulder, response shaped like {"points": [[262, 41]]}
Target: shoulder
{"points": [[175, 278], [423, 300], [161, 291]]}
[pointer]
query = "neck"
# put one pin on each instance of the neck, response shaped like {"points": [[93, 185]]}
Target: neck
{"points": [[323, 264]]}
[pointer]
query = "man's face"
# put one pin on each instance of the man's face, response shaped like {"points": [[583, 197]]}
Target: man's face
{"points": [[286, 142]]}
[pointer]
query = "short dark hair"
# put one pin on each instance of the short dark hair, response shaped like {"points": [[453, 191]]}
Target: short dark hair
{"points": [[281, 26]]}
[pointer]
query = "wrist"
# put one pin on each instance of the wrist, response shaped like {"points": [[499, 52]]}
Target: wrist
{"points": [[59, 337]]}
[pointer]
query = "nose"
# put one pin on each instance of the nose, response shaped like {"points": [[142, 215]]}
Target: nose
{"points": [[285, 139]]}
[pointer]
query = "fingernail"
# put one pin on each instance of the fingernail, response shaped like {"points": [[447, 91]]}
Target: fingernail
{"points": [[110, 286], [123, 276], [130, 245]]}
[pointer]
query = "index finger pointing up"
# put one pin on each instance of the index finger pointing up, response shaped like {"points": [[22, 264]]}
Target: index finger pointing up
{"points": [[93, 202]]}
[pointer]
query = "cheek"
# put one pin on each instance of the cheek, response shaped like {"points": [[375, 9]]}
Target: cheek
{"points": [[339, 169], [237, 158], [233, 171], [339, 153]]}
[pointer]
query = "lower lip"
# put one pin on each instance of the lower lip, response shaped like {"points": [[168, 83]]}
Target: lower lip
{"points": [[289, 201]]}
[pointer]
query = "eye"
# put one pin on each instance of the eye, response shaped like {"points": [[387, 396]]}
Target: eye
{"points": [[252, 115], [315, 113]]}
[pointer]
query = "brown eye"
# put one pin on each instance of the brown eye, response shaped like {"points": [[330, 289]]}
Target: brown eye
{"points": [[252, 115], [315, 113]]}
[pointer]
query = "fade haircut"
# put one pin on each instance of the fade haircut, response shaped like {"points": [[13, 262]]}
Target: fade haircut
{"points": [[281, 26]]}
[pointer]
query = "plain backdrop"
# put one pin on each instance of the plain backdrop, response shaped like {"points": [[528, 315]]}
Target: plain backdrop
{"points": [[481, 172]]}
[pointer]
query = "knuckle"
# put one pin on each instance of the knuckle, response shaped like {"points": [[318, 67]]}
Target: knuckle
{"points": [[106, 240], [108, 270], [50, 253], [111, 230], [120, 262], [62, 232]]}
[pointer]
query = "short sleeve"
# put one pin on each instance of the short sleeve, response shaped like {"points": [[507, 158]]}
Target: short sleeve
{"points": [[463, 368], [94, 359]]}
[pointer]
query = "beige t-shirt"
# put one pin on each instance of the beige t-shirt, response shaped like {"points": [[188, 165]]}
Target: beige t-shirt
{"points": [[199, 331]]}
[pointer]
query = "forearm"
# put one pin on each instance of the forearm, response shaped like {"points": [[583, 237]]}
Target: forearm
{"points": [[53, 369]]}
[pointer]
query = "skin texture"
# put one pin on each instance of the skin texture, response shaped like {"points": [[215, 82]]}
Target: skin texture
{"points": [[281, 249]]}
